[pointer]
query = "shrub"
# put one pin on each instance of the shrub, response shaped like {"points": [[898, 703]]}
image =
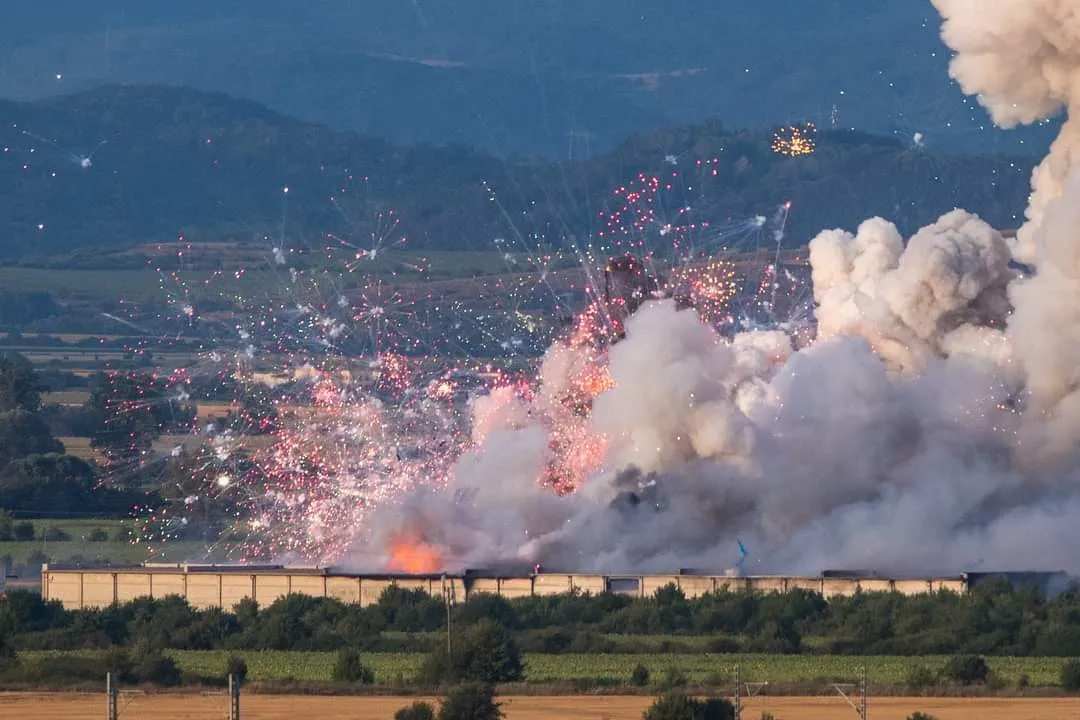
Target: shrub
{"points": [[1070, 675], [1023, 681], [58, 670], [640, 676], [237, 667], [155, 668], [55, 534], [485, 652], [118, 662], [674, 678], [548, 642], [777, 637], [680, 706], [966, 669], [715, 679], [472, 701], [723, 646], [349, 668], [23, 531], [919, 715], [416, 711], [920, 676], [98, 535]]}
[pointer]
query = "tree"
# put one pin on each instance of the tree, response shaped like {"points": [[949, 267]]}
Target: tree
{"points": [[680, 706], [25, 433], [130, 411], [485, 652], [19, 387], [487, 606], [472, 701], [58, 484]]}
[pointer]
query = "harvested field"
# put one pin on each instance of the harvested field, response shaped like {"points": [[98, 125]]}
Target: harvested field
{"points": [[71, 706]]}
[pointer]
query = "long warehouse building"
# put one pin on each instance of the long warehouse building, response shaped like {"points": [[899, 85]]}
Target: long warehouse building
{"points": [[206, 586]]}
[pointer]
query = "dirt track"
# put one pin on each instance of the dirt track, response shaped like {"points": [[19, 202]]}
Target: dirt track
{"points": [[286, 707]]}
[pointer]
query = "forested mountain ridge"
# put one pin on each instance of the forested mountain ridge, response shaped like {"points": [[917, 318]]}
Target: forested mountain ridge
{"points": [[122, 166], [518, 77]]}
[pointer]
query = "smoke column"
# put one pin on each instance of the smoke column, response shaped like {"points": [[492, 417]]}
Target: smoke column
{"points": [[931, 427]]}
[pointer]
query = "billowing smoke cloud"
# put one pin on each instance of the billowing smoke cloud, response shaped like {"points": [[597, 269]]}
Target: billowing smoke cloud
{"points": [[1020, 58], [931, 427]]}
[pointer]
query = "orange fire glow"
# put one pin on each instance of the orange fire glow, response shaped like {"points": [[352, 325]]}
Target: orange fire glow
{"points": [[410, 555]]}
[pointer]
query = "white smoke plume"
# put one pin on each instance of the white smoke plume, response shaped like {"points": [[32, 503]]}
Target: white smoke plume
{"points": [[933, 426], [1020, 58]]}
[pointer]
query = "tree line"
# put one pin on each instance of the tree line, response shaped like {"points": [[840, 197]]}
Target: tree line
{"points": [[994, 619]]}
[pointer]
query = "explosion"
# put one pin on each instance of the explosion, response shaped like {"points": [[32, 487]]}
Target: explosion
{"points": [[932, 425], [795, 141], [408, 555]]}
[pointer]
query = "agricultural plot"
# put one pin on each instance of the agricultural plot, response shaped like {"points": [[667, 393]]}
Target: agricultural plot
{"points": [[396, 668]]}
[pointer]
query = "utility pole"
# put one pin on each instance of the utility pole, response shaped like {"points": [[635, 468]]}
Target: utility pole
{"points": [[111, 710], [738, 692], [865, 702], [234, 697], [448, 600]]}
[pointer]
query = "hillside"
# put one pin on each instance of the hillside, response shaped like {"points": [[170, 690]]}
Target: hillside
{"points": [[517, 77], [165, 162]]}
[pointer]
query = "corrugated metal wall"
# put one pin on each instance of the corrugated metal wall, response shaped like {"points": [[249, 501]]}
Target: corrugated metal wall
{"points": [[203, 588]]}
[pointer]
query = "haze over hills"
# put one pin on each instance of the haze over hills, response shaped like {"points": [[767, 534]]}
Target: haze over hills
{"points": [[518, 77], [167, 161]]}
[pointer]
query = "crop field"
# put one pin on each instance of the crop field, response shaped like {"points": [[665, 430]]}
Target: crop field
{"points": [[395, 668], [72, 706]]}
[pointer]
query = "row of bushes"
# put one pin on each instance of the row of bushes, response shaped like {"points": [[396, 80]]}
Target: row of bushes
{"points": [[995, 619], [140, 665]]}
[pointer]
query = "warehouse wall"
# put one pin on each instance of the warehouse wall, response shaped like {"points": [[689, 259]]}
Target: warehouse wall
{"points": [[206, 587]]}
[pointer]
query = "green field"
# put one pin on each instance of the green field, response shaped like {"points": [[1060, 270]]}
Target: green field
{"points": [[390, 668], [145, 285], [123, 553], [80, 548]]}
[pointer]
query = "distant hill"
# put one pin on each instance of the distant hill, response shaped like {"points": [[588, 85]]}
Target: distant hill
{"points": [[517, 77], [116, 167]]}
